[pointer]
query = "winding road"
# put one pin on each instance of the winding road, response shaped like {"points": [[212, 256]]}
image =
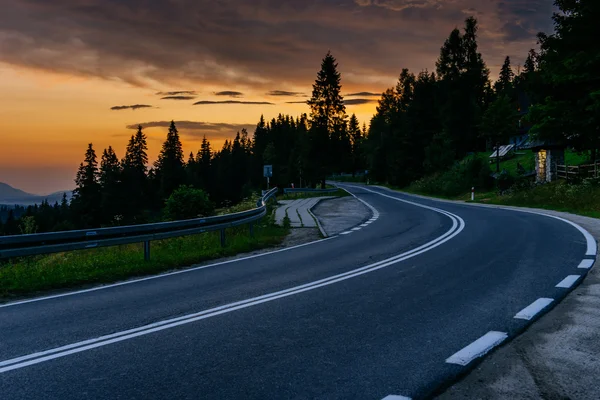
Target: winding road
{"points": [[395, 308]]}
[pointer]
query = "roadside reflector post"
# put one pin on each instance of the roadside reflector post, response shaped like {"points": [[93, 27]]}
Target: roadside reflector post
{"points": [[147, 250], [473, 193], [222, 237]]}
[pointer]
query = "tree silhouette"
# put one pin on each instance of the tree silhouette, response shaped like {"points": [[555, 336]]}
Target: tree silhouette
{"points": [[170, 165], [86, 196], [327, 119]]}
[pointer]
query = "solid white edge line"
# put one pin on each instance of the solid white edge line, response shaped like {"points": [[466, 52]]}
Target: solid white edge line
{"points": [[183, 271], [36, 358], [396, 397], [586, 264], [534, 308], [477, 348], [568, 281], [592, 247]]}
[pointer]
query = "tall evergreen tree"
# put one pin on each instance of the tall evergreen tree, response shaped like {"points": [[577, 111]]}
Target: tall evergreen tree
{"points": [[569, 108], [170, 165], [135, 179], [504, 84], [327, 119], [86, 196], [110, 181]]}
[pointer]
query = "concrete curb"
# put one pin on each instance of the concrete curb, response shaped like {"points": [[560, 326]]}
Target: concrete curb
{"points": [[325, 235]]}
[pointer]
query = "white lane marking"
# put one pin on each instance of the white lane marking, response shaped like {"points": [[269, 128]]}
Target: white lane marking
{"points": [[568, 281], [478, 348], [364, 225], [183, 271], [346, 233], [36, 358], [531, 310], [592, 247], [356, 229], [396, 397], [586, 264]]}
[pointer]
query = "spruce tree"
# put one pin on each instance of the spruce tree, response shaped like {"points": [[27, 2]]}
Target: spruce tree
{"points": [[327, 119], [569, 98], [110, 181], [86, 196], [134, 178], [503, 85], [170, 164]]}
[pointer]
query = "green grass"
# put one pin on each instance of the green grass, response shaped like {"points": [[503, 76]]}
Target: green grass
{"points": [[582, 199], [31, 275]]}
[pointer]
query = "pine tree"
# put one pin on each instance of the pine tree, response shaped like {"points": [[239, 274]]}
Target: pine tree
{"points": [[170, 165], [86, 196], [327, 118], [356, 139], [134, 178], [569, 108], [499, 122], [505, 80], [110, 181]]}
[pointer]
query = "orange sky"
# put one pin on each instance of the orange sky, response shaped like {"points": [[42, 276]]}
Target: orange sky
{"points": [[50, 118]]}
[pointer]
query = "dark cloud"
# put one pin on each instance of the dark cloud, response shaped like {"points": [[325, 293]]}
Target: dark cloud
{"points": [[524, 18], [229, 93], [285, 93], [198, 129], [132, 107], [180, 92], [254, 43], [178, 98], [355, 102], [206, 102], [363, 94]]}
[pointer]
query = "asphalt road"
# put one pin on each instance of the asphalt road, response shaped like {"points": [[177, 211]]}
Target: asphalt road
{"points": [[371, 312]]}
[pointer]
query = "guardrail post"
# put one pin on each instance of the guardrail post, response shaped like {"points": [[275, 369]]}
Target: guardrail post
{"points": [[147, 250], [222, 237], [251, 229]]}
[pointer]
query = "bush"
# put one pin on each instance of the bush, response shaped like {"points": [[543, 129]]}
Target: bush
{"points": [[472, 171], [187, 202]]}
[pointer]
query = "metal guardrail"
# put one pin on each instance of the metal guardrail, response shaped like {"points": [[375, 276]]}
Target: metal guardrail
{"points": [[56, 242], [308, 190]]}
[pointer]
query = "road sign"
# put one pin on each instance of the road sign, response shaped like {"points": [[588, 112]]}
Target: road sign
{"points": [[268, 171]]}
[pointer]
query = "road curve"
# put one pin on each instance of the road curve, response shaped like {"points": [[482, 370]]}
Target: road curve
{"points": [[399, 306]]}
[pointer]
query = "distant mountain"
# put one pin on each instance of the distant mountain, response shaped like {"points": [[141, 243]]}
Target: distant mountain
{"points": [[11, 196]]}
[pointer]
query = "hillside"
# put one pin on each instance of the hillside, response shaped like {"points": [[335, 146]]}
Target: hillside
{"points": [[11, 196]]}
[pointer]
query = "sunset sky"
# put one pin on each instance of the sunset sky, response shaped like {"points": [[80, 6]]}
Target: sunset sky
{"points": [[65, 64]]}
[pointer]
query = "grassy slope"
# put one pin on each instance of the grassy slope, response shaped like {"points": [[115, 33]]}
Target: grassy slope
{"points": [[34, 274], [583, 200]]}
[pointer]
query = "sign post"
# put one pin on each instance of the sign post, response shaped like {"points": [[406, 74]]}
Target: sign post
{"points": [[267, 173]]}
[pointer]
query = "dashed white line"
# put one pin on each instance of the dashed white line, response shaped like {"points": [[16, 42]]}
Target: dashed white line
{"points": [[568, 281], [346, 233], [478, 348], [531, 310], [356, 229], [364, 225], [396, 397], [586, 264]]}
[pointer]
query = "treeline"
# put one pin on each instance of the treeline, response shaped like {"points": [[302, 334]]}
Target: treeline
{"points": [[430, 120]]}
